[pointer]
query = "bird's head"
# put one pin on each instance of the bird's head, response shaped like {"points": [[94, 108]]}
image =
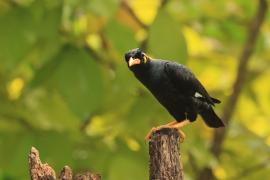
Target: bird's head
{"points": [[136, 58]]}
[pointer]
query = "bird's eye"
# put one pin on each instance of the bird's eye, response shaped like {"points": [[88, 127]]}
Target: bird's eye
{"points": [[139, 55]]}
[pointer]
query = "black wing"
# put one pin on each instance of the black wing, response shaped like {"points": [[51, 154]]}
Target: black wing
{"points": [[187, 83]]}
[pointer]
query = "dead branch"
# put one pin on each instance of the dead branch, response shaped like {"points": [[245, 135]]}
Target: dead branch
{"points": [[164, 155]]}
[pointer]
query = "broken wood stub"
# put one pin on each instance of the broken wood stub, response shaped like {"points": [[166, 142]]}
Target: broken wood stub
{"points": [[39, 171], [66, 173], [88, 176], [164, 155]]}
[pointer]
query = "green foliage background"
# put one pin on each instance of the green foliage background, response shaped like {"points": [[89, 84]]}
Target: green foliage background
{"points": [[65, 88]]}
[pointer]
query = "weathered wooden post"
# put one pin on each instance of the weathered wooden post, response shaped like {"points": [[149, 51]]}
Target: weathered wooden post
{"points": [[164, 154], [40, 171]]}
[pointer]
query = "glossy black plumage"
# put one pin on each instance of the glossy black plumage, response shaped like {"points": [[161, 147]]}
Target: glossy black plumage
{"points": [[175, 87]]}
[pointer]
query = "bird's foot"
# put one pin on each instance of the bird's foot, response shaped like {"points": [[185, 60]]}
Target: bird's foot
{"points": [[149, 134], [154, 129], [178, 126], [173, 125], [182, 135]]}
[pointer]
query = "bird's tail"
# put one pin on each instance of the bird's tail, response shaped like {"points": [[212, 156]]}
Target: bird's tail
{"points": [[210, 117], [215, 100]]}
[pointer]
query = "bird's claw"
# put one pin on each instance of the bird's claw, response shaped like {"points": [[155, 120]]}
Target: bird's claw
{"points": [[182, 136], [149, 134]]}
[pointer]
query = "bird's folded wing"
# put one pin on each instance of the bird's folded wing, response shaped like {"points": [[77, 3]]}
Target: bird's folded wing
{"points": [[183, 78]]}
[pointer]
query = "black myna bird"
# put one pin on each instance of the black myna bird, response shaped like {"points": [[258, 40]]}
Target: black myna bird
{"points": [[176, 88]]}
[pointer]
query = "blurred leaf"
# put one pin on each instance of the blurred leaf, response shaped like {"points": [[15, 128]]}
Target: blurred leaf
{"points": [[127, 166], [118, 80], [45, 73], [48, 41], [48, 111], [166, 40], [9, 126], [33, 37], [50, 145], [16, 36], [234, 31], [19, 156], [140, 117], [197, 45], [212, 29], [247, 8], [78, 79], [120, 36], [145, 10], [104, 8]]}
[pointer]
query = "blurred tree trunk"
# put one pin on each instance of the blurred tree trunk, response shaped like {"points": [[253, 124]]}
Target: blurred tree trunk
{"points": [[164, 155], [39, 171], [219, 134]]}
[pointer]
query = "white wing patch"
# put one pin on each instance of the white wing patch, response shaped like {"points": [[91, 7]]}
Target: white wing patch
{"points": [[197, 95]]}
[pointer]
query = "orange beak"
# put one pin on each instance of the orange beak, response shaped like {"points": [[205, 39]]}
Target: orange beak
{"points": [[132, 61]]}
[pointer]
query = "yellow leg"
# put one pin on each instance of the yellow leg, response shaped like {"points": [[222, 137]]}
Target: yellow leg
{"points": [[167, 125], [182, 135], [149, 134], [178, 126], [174, 124], [181, 124]]}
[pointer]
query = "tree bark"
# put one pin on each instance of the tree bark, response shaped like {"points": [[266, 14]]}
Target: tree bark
{"points": [[39, 171], [164, 155], [66, 173]]}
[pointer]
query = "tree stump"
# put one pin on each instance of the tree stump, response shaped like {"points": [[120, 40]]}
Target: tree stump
{"points": [[39, 171], [164, 155], [66, 173]]}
